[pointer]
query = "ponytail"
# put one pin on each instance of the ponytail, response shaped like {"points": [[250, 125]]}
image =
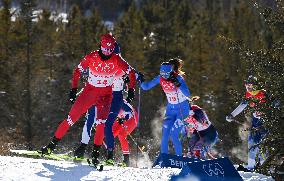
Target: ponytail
{"points": [[177, 65]]}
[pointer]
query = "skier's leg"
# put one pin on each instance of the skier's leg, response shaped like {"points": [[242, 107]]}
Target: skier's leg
{"points": [[124, 146], [89, 123], [114, 110], [103, 107], [251, 153], [86, 133], [194, 138], [175, 130], [182, 111], [123, 142], [167, 125], [81, 105]]}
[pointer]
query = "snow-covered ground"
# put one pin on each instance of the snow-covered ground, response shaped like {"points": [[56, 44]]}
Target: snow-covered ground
{"points": [[19, 168]]}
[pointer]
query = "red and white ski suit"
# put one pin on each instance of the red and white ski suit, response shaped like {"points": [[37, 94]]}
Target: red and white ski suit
{"points": [[123, 130], [97, 91]]}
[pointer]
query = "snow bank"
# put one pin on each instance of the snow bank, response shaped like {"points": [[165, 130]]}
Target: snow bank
{"points": [[19, 168]]}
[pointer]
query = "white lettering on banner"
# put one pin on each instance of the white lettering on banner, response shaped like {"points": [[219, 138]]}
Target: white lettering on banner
{"points": [[216, 171], [178, 163]]}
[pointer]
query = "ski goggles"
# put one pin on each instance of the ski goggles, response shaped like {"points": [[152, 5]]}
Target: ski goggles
{"points": [[165, 75], [108, 50]]}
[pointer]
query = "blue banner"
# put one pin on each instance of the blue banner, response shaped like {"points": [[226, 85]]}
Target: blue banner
{"points": [[220, 169], [173, 161]]}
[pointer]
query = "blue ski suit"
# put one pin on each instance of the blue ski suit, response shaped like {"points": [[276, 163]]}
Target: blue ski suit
{"points": [[177, 109]]}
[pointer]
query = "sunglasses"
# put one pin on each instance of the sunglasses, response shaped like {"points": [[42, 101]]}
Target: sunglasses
{"points": [[165, 75], [109, 50]]}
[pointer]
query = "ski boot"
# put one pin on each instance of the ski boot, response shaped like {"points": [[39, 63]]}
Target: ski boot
{"points": [[242, 168], [95, 155], [125, 162], [110, 160], [46, 150], [80, 151]]}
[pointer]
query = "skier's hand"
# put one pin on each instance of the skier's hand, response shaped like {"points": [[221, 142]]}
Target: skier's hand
{"points": [[72, 95], [131, 95], [195, 98], [175, 81], [120, 121], [229, 118], [140, 77], [126, 78]]}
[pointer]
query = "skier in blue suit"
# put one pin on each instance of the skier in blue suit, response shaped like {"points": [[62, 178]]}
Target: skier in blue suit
{"points": [[178, 106]]}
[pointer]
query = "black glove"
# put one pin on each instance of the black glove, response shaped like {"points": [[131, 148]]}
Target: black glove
{"points": [[125, 78], [72, 95], [131, 95], [175, 81], [120, 121], [140, 77]]}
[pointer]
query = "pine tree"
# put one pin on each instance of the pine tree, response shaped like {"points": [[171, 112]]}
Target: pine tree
{"points": [[27, 7]]}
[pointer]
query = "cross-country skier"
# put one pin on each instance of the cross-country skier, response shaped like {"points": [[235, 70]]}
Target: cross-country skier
{"points": [[178, 107], [103, 64], [125, 123], [253, 98], [203, 134], [119, 83]]}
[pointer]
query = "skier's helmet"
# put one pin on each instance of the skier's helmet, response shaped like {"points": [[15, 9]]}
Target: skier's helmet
{"points": [[251, 80], [166, 70], [107, 44], [251, 83]]}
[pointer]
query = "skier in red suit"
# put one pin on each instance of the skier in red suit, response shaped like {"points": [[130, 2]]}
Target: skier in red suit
{"points": [[102, 65]]}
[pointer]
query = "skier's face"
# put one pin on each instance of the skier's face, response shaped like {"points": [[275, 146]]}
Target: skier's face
{"points": [[249, 87], [165, 75], [165, 71], [107, 51]]}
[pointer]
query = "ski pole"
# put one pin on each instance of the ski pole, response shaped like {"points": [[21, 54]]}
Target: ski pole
{"points": [[138, 121], [140, 148]]}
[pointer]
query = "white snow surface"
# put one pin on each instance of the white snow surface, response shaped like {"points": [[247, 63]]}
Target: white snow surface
{"points": [[20, 169]]}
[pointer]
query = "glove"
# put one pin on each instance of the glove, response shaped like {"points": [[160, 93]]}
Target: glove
{"points": [[175, 81], [229, 118], [125, 78], [140, 77], [131, 95], [120, 121], [72, 95]]}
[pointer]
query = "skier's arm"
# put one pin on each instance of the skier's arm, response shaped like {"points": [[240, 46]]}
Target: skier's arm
{"points": [[183, 87], [150, 84], [128, 70], [239, 109], [78, 70]]}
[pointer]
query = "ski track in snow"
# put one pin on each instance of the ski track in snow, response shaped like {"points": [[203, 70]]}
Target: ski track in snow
{"points": [[21, 169]]}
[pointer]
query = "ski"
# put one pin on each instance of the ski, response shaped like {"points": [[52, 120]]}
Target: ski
{"points": [[52, 156]]}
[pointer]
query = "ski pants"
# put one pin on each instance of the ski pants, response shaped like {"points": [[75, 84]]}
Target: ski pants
{"points": [[172, 126], [99, 97], [202, 141], [255, 137], [123, 130], [118, 130], [92, 118]]}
